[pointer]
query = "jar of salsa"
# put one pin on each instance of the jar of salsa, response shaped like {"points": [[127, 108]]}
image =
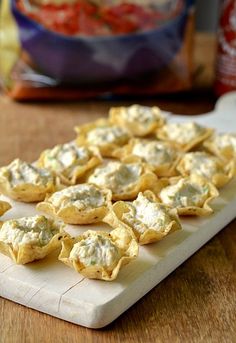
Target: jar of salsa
{"points": [[226, 57]]}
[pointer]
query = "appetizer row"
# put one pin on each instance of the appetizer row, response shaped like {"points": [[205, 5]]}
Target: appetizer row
{"points": [[94, 254]]}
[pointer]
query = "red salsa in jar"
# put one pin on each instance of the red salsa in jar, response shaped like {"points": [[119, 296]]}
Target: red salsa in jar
{"points": [[81, 17]]}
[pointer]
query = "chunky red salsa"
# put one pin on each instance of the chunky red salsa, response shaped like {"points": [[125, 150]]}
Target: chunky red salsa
{"points": [[87, 18]]}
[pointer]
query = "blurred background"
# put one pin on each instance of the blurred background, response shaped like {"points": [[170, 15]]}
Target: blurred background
{"points": [[80, 49], [207, 13]]}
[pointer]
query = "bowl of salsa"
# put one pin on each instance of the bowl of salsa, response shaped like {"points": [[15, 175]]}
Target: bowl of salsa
{"points": [[79, 41]]}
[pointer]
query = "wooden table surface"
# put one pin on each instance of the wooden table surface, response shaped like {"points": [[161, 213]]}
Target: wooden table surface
{"points": [[196, 303]]}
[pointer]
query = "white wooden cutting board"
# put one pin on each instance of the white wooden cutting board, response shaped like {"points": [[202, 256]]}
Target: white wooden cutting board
{"points": [[51, 287]]}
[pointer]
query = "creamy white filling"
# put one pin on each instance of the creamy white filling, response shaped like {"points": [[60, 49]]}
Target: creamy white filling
{"points": [[142, 114], [19, 172], [202, 164], [65, 156], [154, 152], [116, 175], [184, 193], [37, 230], [96, 251], [183, 133], [147, 214], [82, 196], [109, 134], [225, 141]]}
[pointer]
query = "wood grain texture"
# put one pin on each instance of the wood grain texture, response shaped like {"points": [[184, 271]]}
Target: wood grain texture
{"points": [[196, 303]]}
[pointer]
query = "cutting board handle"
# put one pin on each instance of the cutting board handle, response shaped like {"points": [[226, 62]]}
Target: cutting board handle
{"points": [[222, 118], [226, 104]]}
